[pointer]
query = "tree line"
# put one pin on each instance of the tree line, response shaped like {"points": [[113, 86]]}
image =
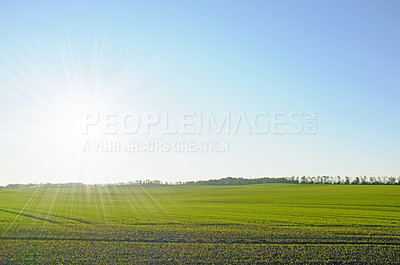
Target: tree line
{"points": [[228, 181], [301, 180]]}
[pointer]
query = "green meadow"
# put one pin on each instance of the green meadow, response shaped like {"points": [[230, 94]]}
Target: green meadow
{"points": [[267, 223]]}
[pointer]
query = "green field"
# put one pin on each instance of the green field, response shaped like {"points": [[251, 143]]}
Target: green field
{"points": [[268, 223]]}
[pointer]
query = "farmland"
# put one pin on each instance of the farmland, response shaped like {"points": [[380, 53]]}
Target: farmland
{"points": [[267, 223]]}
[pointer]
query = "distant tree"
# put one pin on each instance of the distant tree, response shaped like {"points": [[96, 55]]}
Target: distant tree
{"points": [[339, 180], [356, 181], [364, 180], [391, 181], [294, 180], [324, 179], [347, 181]]}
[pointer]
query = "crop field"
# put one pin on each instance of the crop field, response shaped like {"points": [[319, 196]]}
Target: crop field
{"points": [[268, 224]]}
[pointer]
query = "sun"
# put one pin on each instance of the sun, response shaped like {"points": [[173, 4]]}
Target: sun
{"points": [[56, 85]]}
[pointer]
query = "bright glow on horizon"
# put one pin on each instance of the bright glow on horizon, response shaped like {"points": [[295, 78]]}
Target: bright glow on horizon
{"points": [[56, 90]]}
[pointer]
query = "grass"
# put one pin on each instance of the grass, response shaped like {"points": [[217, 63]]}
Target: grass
{"points": [[268, 223]]}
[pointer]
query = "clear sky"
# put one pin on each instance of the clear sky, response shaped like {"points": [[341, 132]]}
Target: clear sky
{"points": [[340, 59]]}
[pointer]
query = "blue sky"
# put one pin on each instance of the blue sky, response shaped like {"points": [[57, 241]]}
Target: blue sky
{"points": [[340, 59]]}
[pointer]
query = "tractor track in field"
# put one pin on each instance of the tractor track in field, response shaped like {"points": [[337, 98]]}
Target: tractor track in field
{"points": [[29, 216], [198, 242], [49, 214]]}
